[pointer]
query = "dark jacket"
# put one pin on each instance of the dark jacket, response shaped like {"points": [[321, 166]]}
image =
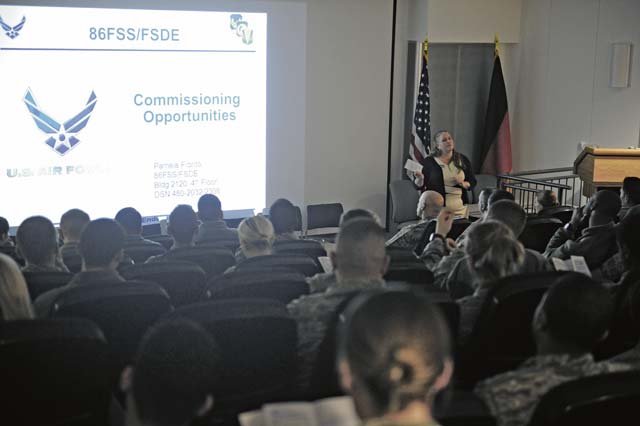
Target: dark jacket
{"points": [[596, 244], [434, 180]]}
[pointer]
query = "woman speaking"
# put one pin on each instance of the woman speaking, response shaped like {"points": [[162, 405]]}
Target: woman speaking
{"points": [[449, 173]]}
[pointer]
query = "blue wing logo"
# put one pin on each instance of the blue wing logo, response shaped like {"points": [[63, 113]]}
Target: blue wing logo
{"points": [[12, 32], [62, 137]]}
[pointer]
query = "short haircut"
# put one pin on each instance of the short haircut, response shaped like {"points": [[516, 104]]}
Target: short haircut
{"points": [[209, 208], [359, 213], [483, 199], [177, 365], [283, 216], [631, 187], [4, 226], [509, 213], [183, 223], [72, 223], [396, 345], [492, 252], [130, 219], [547, 198], [360, 246], [607, 203], [256, 233], [628, 235], [37, 240], [101, 241], [429, 200], [578, 311], [500, 194]]}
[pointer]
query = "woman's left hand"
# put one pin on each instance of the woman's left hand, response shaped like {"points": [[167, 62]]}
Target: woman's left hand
{"points": [[466, 185]]}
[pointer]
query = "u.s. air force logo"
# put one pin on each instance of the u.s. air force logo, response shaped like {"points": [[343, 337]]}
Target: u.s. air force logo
{"points": [[12, 32], [62, 137]]}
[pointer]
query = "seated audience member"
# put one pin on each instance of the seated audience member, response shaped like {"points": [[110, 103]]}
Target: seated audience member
{"points": [[37, 243], [394, 357], [597, 242], [183, 225], [256, 236], [462, 282], [545, 199], [212, 227], [5, 241], [72, 223], [492, 252], [429, 205], [284, 218], [632, 315], [360, 263], [570, 320], [173, 375], [626, 323], [500, 194], [15, 302], [131, 221], [629, 195], [101, 247], [322, 281]]}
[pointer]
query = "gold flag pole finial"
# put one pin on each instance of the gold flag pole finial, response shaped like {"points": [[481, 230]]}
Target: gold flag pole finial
{"points": [[425, 48], [497, 47]]}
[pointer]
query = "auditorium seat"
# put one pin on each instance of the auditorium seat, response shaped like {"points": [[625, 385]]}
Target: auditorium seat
{"points": [[183, 281], [538, 231], [502, 337], [595, 400], [283, 286], [165, 240], [483, 181], [213, 260], [311, 248], [404, 202], [297, 262], [123, 311], [230, 244], [73, 262], [563, 213], [140, 253], [457, 228], [258, 341], [406, 267], [323, 220], [41, 282], [54, 372]]}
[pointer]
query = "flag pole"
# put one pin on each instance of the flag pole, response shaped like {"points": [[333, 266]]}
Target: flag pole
{"points": [[497, 45]]}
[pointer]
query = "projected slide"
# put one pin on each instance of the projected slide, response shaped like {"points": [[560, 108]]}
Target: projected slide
{"points": [[106, 108]]}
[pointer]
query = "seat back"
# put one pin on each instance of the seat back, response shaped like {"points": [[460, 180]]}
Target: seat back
{"points": [[231, 244], [404, 201], [406, 267], [323, 219], [123, 310], [311, 248], [258, 340], [563, 213], [297, 262], [212, 260], [457, 228], [73, 262], [538, 232], [502, 337], [283, 286], [55, 372], [183, 281], [165, 240], [590, 401], [141, 252], [41, 282]]}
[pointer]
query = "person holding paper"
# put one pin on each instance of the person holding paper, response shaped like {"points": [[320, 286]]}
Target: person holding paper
{"points": [[394, 356], [449, 173]]}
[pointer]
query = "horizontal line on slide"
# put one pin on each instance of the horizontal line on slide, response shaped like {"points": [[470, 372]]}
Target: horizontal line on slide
{"points": [[129, 50]]}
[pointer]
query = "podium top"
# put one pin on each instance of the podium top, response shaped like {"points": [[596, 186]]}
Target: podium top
{"points": [[624, 152]]}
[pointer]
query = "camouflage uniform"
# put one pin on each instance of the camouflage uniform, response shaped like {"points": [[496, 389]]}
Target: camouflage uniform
{"points": [[512, 397]]}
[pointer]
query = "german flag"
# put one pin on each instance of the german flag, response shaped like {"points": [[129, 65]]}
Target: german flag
{"points": [[496, 144]]}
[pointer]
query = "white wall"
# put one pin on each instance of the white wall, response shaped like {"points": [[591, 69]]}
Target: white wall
{"points": [[562, 94]]}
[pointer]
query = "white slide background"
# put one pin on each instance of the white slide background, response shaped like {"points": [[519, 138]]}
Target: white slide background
{"points": [[118, 160]]}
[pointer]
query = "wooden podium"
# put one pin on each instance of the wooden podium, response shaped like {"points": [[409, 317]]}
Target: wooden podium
{"points": [[606, 167]]}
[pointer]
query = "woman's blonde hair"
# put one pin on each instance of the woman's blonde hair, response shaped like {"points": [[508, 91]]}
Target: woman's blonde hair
{"points": [[256, 234], [15, 302], [493, 251]]}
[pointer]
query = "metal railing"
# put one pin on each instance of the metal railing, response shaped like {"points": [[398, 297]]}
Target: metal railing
{"points": [[525, 185]]}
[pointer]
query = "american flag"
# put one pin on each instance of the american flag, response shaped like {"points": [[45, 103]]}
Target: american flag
{"points": [[421, 129]]}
